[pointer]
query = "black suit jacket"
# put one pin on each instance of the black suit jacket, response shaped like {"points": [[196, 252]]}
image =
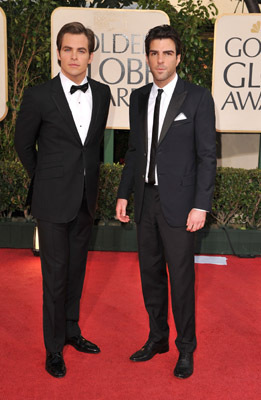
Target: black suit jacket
{"points": [[186, 153], [50, 148]]}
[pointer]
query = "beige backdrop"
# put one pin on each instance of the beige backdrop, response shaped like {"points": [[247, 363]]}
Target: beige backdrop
{"points": [[239, 150], [119, 58], [236, 83], [3, 65]]}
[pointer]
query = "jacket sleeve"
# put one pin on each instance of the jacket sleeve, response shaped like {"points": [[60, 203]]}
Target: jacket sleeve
{"points": [[205, 142], [26, 132], [127, 179]]}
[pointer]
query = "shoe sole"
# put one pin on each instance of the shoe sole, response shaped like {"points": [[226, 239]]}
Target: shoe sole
{"points": [[182, 377], [83, 351], [163, 350], [55, 376]]}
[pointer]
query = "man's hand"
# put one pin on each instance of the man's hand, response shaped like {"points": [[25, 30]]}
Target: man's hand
{"points": [[196, 220], [121, 210]]}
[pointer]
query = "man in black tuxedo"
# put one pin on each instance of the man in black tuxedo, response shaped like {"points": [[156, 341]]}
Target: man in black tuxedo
{"points": [[58, 135], [170, 165]]}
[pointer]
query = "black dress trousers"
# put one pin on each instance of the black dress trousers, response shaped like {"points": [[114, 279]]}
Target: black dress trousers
{"points": [[160, 244], [63, 252]]}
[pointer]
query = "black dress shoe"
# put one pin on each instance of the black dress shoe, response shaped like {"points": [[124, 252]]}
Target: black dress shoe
{"points": [[184, 366], [83, 345], [55, 364], [149, 350]]}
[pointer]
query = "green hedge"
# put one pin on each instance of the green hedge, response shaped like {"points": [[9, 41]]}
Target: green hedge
{"points": [[110, 176], [236, 202], [237, 197], [14, 184]]}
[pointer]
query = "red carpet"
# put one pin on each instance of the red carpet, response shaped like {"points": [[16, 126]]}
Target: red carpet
{"points": [[227, 360]]}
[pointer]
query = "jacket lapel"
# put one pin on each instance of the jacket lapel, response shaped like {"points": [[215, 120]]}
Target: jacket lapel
{"points": [[175, 104], [63, 106], [143, 111], [96, 102]]}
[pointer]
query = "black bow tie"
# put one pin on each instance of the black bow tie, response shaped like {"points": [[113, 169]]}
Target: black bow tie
{"points": [[83, 88]]}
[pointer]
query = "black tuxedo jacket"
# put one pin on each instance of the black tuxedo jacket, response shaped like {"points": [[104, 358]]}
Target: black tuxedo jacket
{"points": [[50, 148], [186, 153]]}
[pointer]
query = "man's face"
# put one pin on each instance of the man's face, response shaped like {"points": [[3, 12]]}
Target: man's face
{"points": [[74, 56], [163, 61]]}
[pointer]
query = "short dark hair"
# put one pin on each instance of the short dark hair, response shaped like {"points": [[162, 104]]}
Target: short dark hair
{"points": [[163, 32], [76, 28]]}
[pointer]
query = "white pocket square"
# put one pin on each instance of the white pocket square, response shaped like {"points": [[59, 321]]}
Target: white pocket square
{"points": [[180, 117]]}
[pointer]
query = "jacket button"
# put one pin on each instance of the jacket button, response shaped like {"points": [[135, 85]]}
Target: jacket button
{"points": [[145, 154], [143, 176]]}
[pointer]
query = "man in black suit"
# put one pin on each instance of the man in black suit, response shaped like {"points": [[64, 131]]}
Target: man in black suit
{"points": [[58, 135], [170, 165]]}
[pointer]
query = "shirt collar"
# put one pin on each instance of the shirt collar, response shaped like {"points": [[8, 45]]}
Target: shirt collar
{"points": [[168, 89], [67, 83]]}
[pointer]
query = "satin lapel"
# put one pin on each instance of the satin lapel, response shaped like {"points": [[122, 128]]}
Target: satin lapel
{"points": [[63, 106], [143, 112], [96, 102], [176, 102]]}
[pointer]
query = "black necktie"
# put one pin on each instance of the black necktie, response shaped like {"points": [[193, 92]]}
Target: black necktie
{"points": [[83, 88], [154, 141]]}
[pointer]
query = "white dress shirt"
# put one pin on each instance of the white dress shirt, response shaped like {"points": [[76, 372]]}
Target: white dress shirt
{"points": [[80, 104]]}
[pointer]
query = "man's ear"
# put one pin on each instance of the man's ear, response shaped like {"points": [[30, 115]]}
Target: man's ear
{"points": [[178, 59], [91, 58], [58, 54]]}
